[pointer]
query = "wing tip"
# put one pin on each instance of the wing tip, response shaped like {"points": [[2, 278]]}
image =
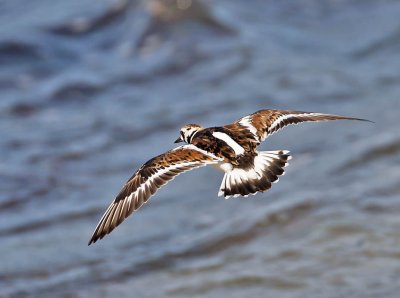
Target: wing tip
{"points": [[365, 120], [95, 237], [352, 118]]}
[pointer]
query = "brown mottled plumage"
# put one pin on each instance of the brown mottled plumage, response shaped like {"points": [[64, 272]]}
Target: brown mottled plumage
{"points": [[145, 182], [233, 148]]}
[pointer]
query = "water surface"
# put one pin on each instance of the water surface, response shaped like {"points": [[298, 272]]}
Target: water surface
{"points": [[91, 90]]}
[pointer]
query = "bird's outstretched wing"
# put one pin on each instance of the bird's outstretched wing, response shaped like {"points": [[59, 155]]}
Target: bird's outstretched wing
{"points": [[147, 180], [263, 123]]}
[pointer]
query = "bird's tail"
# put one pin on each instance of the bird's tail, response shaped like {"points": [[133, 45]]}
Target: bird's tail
{"points": [[268, 165]]}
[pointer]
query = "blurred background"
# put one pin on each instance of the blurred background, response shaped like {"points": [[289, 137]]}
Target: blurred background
{"points": [[90, 90]]}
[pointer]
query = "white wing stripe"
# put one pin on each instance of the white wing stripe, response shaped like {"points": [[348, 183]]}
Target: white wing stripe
{"points": [[246, 122], [239, 150], [149, 181], [288, 116]]}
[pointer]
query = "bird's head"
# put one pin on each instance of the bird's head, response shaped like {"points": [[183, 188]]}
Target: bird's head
{"points": [[187, 133]]}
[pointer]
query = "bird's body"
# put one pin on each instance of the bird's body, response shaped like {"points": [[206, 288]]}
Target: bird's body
{"points": [[232, 148]]}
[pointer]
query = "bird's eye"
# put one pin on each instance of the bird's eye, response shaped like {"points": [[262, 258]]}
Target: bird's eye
{"points": [[182, 134]]}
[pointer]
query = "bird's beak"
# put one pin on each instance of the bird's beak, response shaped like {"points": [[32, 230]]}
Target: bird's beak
{"points": [[178, 140]]}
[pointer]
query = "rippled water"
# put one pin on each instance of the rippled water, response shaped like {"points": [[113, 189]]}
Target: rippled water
{"points": [[91, 90]]}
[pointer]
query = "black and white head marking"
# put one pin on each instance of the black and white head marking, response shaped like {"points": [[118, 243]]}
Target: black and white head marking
{"points": [[188, 131]]}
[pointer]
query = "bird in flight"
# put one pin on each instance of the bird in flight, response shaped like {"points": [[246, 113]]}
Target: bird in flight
{"points": [[231, 148]]}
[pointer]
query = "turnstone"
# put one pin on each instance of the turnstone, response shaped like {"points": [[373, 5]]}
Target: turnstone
{"points": [[232, 148]]}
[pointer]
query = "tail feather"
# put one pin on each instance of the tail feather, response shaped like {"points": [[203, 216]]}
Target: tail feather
{"points": [[268, 166]]}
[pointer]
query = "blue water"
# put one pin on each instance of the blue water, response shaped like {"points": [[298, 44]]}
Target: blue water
{"points": [[92, 89]]}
